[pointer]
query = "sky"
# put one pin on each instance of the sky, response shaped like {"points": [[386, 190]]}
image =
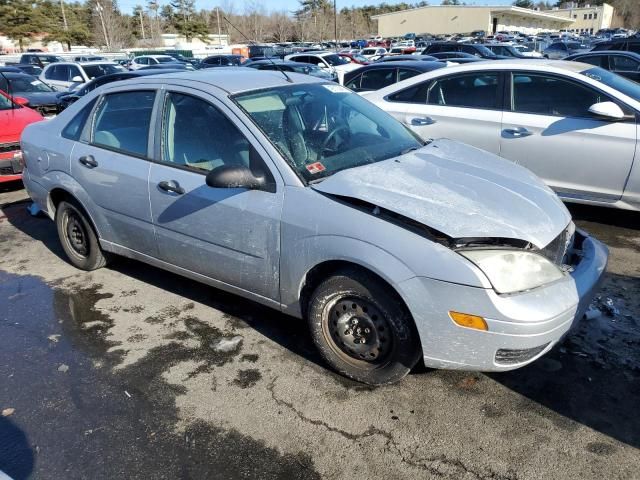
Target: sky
{"points": [[291, 5]]}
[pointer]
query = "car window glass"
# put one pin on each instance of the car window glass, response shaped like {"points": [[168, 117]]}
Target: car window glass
{"points": [[634, 47], [597, 60], [624, 64], [142, 60], [547, 95], [416, 94], [74, 128], [378, 78], [74, 72], [197, 135], [354, 83], [475, 90], [404, 73], [122, 121]]}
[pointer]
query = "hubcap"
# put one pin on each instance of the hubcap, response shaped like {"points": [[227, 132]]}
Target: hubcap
{"points": [[76, 234], [360, 330]]}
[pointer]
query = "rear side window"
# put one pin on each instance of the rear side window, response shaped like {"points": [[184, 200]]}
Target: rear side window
{"points": [[377, 79], [597, 60], [122, 122], [74, 128], [416, 94], [404, 73], [548, 95], [475, 90], [620, 63]]}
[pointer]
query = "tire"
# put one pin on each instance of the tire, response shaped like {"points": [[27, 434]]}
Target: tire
{"points": [[384, 349], [79, 240]]}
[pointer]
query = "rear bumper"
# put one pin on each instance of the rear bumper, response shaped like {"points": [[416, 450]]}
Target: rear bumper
{"points": [[521, 327], [10, 168]]}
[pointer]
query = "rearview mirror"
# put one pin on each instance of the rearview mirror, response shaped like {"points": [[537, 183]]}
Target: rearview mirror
{"points": [[607, 111], [77, 79], [21, 101], [234, 176]]}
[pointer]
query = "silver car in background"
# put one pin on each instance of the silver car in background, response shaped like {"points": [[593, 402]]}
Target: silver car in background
{"points": [[303, 196]]}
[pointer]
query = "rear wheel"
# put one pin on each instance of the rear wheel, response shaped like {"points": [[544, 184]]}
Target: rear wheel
{"points": [[77, 237], [363, 331]]}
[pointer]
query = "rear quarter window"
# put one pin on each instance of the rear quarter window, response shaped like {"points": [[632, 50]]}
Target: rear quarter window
{"points": [[74, 128]]}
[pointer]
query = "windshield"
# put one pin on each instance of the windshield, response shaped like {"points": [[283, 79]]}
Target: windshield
{"points": [[360, 58], [322, 128], [334, 60], [613, 80], [95, 71], [22, 83], [484, 51]]}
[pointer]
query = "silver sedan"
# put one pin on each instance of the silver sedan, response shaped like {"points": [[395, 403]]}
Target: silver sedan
{"points": [[303, 196]]}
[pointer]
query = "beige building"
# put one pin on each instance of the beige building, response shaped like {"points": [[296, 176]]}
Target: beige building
{"points": [[590, 19], [443, 19]]}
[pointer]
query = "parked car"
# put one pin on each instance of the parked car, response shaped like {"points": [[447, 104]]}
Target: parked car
{"points": [[406, 58], [373, 52], [623, 63], [89, 58], [181, 58], [277, 64], [572, 124], [39, 59], [474, 49], [334, 64], [456, 57], [505, 49], [355, 58], [25, 68], [39, 95], [13, 118], [222, 61], [167, 66], [63, 76], [560, 50], [146, 60], [527, 51], [325, 208], [381, 74], [631, 44], [67, 98]]}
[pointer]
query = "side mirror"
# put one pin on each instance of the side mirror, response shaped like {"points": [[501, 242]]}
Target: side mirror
{"points": [[234, 176], [21, 101], [77, 79], [607, 111], [322, 65]]}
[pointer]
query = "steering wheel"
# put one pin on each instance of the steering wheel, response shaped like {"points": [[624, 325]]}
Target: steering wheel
{"points": [[327, 146]]}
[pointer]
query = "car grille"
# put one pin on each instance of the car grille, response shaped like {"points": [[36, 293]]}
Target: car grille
{"points": [[557, 250], [47, 110], [9, 147], [507, 356]]}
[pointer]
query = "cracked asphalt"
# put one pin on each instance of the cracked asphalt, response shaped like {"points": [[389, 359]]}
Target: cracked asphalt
{"points": [[133, 372]]}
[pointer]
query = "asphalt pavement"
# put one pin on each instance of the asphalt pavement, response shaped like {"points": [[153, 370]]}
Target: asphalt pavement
{"points": [[133, 372]]}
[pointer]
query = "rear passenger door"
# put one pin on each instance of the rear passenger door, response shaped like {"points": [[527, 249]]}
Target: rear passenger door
{"points": [[548, 129], [228, 234], [111, 163], [465, 107]]}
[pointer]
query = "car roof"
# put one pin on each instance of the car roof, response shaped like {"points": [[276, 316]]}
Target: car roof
{"points": [[417, 64], [237, 79], [538, 64], [606, 52], [83, 64]]}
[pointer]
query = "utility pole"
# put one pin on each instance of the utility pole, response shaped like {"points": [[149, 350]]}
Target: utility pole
{"points": [[218, 20], [141, 23], [335, 24], [64, 16], [99, 9]]}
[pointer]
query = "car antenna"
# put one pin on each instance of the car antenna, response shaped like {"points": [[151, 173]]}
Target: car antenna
{"points": [[252, 42], [8, 90]]}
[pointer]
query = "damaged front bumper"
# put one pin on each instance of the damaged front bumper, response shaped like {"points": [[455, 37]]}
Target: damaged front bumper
{"points": [[520, 327]]}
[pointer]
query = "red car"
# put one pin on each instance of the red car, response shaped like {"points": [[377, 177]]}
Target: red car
{"points": [[355, 58], [14, 116]]}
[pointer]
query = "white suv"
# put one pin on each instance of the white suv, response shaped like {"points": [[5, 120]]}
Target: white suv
{"points": [[65, 76], [146, 60], [336, 65]]}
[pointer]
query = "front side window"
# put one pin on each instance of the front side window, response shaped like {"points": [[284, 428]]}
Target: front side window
{"points": [[474, 90], [324, 128], [405, 73], [58, 72], [122, 122], [142, 61], [198, 136], [73, 73], [615, 81], [95, 71], [354, 83], [620, 63], [597, 60], [549, 95]]}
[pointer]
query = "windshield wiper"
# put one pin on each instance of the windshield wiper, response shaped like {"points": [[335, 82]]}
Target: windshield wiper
{"points": [[407, 150]]}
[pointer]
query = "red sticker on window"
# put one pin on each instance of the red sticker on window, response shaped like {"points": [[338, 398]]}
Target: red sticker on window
{"points": [[316, 167]]}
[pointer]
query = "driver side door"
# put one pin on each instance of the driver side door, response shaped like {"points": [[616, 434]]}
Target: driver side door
{"points": [[231, 235], [548, 129]]}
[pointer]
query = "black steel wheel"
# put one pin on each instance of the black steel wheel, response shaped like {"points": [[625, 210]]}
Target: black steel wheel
{"points": [[361, 329], [78, 239]]}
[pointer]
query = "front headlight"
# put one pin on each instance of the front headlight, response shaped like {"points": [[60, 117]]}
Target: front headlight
{"points": [[512, 271]]}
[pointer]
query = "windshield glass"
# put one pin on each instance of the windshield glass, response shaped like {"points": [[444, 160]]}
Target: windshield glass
{"points": [[95, 71], [334, 60], [484, 50], [324, 128], [613, 80], [23, 83]]}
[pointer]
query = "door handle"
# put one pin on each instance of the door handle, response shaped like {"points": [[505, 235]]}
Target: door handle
{"points": [[517, 132], [418, 121], [88, 161], [171, 186]]}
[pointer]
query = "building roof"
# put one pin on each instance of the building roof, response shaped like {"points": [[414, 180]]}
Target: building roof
{"points": [[522, 12]]}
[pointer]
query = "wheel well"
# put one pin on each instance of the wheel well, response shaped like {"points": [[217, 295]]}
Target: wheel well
{"points": [[57, 195], [324, 270]]}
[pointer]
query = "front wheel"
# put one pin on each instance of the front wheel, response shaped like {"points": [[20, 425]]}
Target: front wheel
{"points": [[361, 330], [77, 237]]}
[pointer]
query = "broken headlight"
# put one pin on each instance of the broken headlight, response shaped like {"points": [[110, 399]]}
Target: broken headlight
{"points": [[511, 271]]}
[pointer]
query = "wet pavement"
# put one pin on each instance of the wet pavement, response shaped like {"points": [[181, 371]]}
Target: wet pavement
{"points": [[133, 372]]}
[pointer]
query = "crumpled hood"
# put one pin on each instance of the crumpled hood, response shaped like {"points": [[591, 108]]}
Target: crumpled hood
{"points": [[39, 98], [13, 121], [458, 190]]}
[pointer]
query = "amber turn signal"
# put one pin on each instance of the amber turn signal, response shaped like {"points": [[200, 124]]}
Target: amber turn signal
{"points": [[469, 321]]}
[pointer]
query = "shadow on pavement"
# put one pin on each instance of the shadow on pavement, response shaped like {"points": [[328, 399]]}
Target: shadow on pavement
{"points": [[16, 455]]}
